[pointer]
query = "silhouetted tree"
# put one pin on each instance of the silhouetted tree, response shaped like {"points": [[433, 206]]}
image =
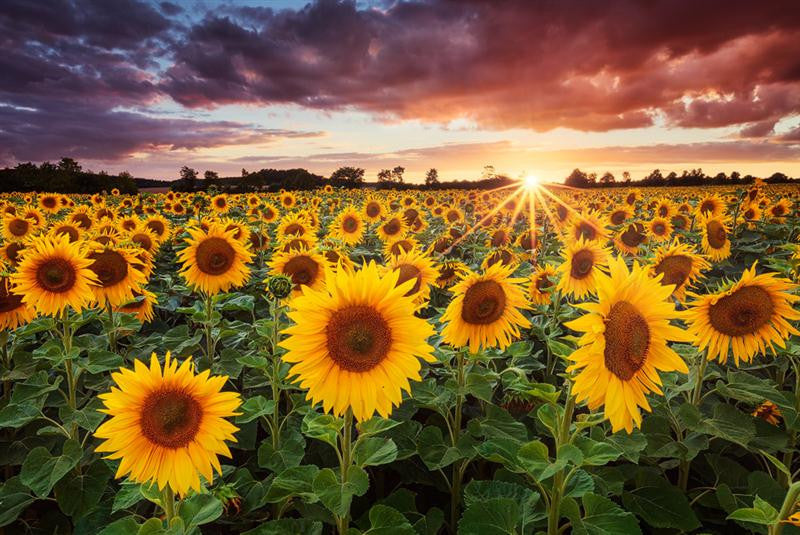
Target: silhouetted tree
{"points": [[350, 176], [397, 174], [607, 178], [432, 177], [211, 175], [577, 179], [384, 175]]}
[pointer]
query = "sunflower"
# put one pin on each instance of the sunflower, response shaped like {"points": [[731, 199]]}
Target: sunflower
{"points": [[219, 203], [71, 230], [679, 221], [751, 214], [499, 237], [300, 243], [486, 310], [17, 228], [665, 209], [117, 274], [356, 342], [778, 211], [82, 217], [294, 225], [715, 243], [587, 226], [10, 252], [619, 215], [453, 216], [624, 344], [582, 265], [632, 197], [288, 200], [54, 274], [416, 266], [305, 268], [167, 426], [769, 412], [214, 261], [145, 239], [680, 267], [630, 239], [269, 214], [140, 306], [751, 315], [393, 228], [449, 272], [660, 229], [373, 210], [158, 225], [710, 206], [347, 226], [338, 259], [527, 240], [399, 246], [503, 256], [542, 284], [13, 310], [49, 203]]}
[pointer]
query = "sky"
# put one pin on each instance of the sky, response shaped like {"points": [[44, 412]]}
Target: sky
{"points": [[529, 87]]}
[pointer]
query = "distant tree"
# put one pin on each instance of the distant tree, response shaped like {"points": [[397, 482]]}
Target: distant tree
{"points": [[188, 180], [384, 175], [488, 172], [397, 174], [244, 172], [350, 175], [125, 175], [607, 178], [68, 165], [626, 176], [592, 178], [211, 175], [655, 175], [736, 176], [431, 177], [577, 179]]}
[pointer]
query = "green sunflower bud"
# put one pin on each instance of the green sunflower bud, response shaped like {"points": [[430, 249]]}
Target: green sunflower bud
{"points": [[280, 286]]}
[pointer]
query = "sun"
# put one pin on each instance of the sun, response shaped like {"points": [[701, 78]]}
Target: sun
{"points": [[531, 182]]}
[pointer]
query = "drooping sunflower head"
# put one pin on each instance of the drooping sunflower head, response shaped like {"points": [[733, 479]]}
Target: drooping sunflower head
{"points": [[305, 267], [356, 342], [624, 344], [504, 256], [117, 272], [748, 318], [678, 266], [542, 284], [715, 242], [450, 271], [583, 262], [54, 274], [347, 226], [167, 426], [214, 261], [486, 311]]}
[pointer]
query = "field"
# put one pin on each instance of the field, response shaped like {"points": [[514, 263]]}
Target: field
{"points": [[532, 359]]}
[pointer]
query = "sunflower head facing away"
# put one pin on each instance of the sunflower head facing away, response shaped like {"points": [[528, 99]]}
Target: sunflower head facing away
{"points": [[214, 261], [356, 342], [167, 425], [486, 310], [55, 274], [752, 315], [624, 344]]}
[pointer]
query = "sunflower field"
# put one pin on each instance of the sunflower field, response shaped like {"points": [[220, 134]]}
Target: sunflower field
{"points": [[532, 359]]}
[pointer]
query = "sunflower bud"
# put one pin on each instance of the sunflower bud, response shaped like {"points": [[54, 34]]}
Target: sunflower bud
{"points": [[280, 286]]}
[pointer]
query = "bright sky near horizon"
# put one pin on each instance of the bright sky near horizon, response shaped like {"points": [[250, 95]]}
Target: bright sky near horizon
{"points": [[528, 87]]}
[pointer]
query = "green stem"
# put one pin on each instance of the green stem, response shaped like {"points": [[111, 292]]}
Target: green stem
{"points": [[72, 383], [112, 335], [208, 329], [700, 373], [343, 522], [276, 371], [788, 456], [562, 436], [786, 509], [458, 469], [168, 503]]}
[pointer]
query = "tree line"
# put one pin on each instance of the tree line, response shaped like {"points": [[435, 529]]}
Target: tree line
{"points": [[66, 176], [693, 177]]}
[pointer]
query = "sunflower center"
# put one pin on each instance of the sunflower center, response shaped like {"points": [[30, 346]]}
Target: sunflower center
{"points": [[484, 303], [8, 301], [110, 267], [56, 275], [12, 251], [663, 211], [582, 264], [143, 240], [743, 312], [633, 236], [358, 338], [408, 272], [215, 256], [70, 231], [676, 270], [618, 217], [349, 224], [631, 198], [294, 229], [392, 227], [82, 220], [778, 210], [156, 226], [302, 270], [543, 282], [707, 206], [627, 339], [750, 214], [716, 234], [498, 238], [373, 209], [18, 227], [49, 202], [586, 231], [659, 229], [170, 418]]}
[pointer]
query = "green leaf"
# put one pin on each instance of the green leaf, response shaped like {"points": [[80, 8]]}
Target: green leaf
{"points": [[662, 507], [729, 424], [322, 427], [374, 451], [16, 416], [337, 495], [433, 451], [288, 526], [101, 361], [604, 517], [597, 453], [290, 453], [296, 481], [34, 389], [495, 516], [128, 495], [385, 520], [761, 513], [41, 471], [199, 509], [123, 526], [255, 407], [481, 491], [78, 494], [375, 426], [88, 417], [534, 457], [549, 416], [579, 484], [14, 498]]}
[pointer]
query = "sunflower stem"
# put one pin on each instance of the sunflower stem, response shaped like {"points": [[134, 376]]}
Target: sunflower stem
{"points": [[561, 437], [208, 325], [72, 400], [168, 503], [112, 335], [458, 466], [276, 371], [786, 509], [700, 373], [343, 522]]}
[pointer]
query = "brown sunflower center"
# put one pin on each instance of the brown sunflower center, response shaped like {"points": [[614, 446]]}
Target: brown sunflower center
{"points": [[408, 272], [585, 230], [707, 206], [294, 229], [543, 282], [659, 229], [56, 275], [679, 221], [631, 198], [358, 338], [627, 339], [633, 235], [349, 224], [156, 226], [170, 418], [618, 217], [484, 303], [392, 227], [373, 209], [12, 251], [743, 312], [582, 264], [676, 270], [215, 256], [68, 230], [302, 269], [452, 216], [110, 267], [82, 220], [18, 227], [750, 214], [716, 234], [8, 300], [498, 238], [663, 211], [49, 202], [528, 241], [143, 240], [778, 209]]}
